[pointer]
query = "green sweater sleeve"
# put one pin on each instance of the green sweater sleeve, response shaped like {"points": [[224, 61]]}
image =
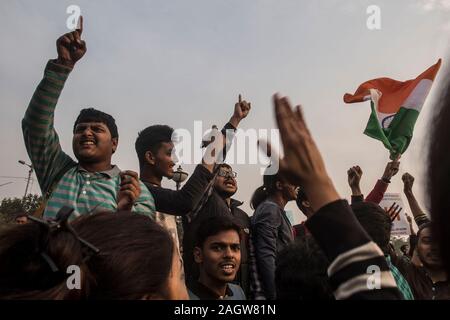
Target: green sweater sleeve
{"points": [[41, 139]]}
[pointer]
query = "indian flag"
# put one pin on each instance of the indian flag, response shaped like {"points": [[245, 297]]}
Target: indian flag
{"points": [[395, 107]]}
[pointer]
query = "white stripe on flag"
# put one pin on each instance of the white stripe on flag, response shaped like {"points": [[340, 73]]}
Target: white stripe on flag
{"points": [[384, 119], [417, 97]]}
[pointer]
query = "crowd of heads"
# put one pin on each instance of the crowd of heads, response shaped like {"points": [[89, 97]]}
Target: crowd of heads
{"points": [[124, 255]]}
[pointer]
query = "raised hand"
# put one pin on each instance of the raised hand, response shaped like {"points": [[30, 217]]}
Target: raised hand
{"points": [[408, 182], [241, 110], [394, 211], [354, 175], [70, 47], [390, 170], [129, 191], [302, 163]]}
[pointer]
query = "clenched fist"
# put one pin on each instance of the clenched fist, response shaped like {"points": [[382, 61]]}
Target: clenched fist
{"points": [[129, 191], [408, 182]]}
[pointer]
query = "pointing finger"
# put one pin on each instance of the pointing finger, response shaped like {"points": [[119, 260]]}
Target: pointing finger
{"points": [[80, 25]]}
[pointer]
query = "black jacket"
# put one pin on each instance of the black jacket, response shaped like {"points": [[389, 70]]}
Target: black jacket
{"points": [[182, 201]]}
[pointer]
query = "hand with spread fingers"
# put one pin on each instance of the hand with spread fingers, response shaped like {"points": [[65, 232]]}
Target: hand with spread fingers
{"points": [[70, 47], [394, 211], [302, 163], [130, 190]]}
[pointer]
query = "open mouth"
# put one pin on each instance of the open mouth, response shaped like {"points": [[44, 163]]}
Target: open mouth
{"points": [[228, 267], [87, 143]]}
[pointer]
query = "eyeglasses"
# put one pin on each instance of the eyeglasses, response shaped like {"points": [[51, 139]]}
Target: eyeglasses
{"points": [[226, 173]]}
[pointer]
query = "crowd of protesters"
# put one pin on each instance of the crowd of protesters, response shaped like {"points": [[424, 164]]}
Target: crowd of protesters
{"points": [[120, 228]]}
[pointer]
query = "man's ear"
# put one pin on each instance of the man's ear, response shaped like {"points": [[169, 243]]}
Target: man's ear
{"points": [[115, 143], [150, 158], [198, 256], [279, 185], [306, 204]]}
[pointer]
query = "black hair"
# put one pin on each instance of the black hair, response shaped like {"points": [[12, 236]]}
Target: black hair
{"points": [[93, 115], [213, 225], [268, 188], [301, 272], [301, 197], [150, 139], [19, 214], [375, 221], [134, 261], [25, 271], [423, 227], [225, 165]]}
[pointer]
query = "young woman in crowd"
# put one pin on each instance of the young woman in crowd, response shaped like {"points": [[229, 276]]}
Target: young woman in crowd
{"points": [[119, 256]]}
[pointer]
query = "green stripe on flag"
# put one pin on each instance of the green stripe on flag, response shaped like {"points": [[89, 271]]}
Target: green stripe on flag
{"points": [[400, 132], [398, 135], [374, 130]]}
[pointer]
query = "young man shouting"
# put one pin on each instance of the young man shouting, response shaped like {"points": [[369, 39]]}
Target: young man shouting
{"points": [[93, 183], [218, 253]]}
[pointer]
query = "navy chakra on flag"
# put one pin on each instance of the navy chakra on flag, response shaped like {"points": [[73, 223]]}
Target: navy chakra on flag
{"points": [[386, 122]]}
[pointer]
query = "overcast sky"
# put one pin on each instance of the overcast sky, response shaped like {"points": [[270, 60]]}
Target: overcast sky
{"points": [[174, 62]]}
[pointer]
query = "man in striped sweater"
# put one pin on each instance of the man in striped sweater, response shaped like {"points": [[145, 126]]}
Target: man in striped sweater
{"points": [[93, 183]]}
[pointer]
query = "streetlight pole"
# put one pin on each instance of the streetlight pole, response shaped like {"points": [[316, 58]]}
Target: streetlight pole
{"points": [[179, 176], [30, 172]]}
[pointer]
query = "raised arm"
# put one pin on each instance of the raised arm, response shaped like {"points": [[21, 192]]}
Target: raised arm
{"points": [[377, 194], [419, 216], [241, 111], [40, 137], [354, 175], [410, 222]]}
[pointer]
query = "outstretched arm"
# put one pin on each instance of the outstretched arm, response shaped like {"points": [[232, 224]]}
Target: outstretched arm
{"points": [[41, 139], [354, 175], [221, 145], [377, 194], [419, 216]]}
